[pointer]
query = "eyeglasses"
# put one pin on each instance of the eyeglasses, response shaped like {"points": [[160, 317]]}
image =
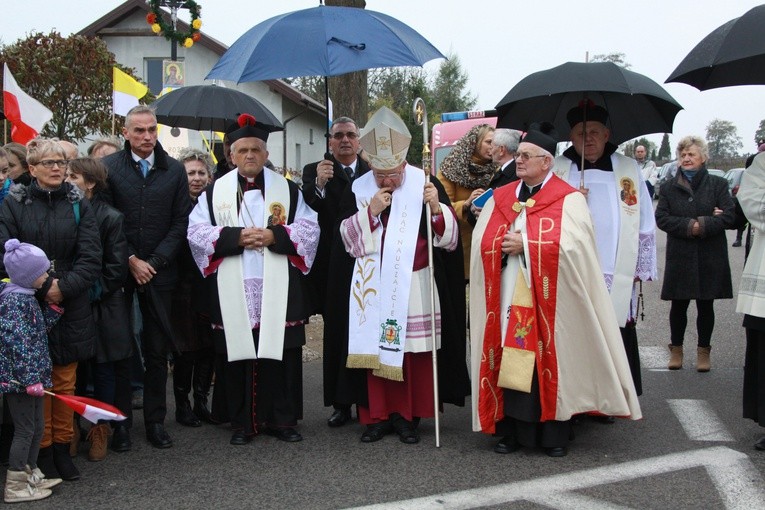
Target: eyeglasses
{"points": [[340, 135], [50, 163], [525, 156]]}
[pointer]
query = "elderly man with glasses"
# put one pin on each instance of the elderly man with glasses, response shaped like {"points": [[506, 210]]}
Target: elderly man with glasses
{"points": [[625, 228], [380, 279], [544, 338], [324, 183]]}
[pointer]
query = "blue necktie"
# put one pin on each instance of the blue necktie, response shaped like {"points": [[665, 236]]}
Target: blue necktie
{"points": [[144, 167]]}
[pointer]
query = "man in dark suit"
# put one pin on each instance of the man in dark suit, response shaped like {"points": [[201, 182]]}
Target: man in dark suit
{"points": [[151, 189], [324, 182], [503, 147]]}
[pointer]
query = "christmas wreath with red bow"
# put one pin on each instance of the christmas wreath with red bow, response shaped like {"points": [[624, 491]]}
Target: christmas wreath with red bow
{"points": [[160, 27]]}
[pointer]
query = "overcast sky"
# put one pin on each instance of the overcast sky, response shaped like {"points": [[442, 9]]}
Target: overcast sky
{"points": [[498, 41]]}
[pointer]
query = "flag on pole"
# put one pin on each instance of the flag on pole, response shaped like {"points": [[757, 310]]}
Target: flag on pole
{"points": [[91, 409], [27, 115], [127, 91]]}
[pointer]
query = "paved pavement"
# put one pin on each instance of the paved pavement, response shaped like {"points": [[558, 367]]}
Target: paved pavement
{"points": [[691, 450]]}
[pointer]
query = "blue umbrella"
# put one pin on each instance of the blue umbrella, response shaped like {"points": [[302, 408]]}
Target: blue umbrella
{"points": [[322, 41]]}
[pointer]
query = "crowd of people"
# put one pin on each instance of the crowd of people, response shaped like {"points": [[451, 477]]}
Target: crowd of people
{"points": [[224, 265]]}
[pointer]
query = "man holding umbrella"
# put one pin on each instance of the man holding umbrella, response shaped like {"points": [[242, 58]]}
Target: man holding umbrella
{"points": [[625, 228], [259, 301], [151, 189], [324, 183]]}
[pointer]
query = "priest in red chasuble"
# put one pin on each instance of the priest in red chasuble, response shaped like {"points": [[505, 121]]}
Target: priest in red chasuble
{"points": [[379, 273], [544, 337]]}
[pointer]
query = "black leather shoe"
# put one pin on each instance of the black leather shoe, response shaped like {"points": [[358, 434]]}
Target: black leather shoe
{"points": [[376, 431], [507, 444], [185, 416], [556, 452], [405, 429], [760, 445], [339, 418], [158, 436], [239, 438], [121, 439], [605, 420], [287, 434]]}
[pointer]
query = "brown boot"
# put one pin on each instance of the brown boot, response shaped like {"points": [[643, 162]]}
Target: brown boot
{"points": [[99, 441], [675, 357], [702, 359]]}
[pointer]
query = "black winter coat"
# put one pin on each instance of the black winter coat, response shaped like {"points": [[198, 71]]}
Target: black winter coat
{"points": [[328, 209], [155, 208], [48, 220], [115, 339], [696, 267]]}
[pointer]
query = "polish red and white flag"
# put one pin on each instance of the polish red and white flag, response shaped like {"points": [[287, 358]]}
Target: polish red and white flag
{"points": [[26, 114], [90, 408]]}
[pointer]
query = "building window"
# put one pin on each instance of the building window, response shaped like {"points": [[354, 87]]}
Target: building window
{"points": [[298, 156]]}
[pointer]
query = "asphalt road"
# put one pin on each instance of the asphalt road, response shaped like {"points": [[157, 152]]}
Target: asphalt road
{"points": [[657, 462]]}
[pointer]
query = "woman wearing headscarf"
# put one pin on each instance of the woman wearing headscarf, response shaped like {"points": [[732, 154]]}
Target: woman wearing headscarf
{"points": [[465, 173]]}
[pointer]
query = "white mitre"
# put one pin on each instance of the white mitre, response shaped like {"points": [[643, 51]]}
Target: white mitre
{"points": [[385, 139]]}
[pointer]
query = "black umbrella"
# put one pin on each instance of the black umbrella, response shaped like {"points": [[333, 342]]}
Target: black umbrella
{"points": [[159, 313], [210, 108], [636, 104], [732, 54]]}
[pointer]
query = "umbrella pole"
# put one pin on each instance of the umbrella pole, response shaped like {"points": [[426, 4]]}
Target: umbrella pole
{"points": [[581, 167], [584, 142], [422, 119], [326, 104]]}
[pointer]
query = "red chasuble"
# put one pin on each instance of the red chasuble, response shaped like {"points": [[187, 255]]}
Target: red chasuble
{"points": [[531, 329]]}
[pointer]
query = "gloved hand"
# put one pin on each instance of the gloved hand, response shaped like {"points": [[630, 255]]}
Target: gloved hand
{"points": [[35, 390]]}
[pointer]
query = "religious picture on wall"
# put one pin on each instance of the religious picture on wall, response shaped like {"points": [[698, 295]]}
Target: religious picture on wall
{"points": [[173, 74]]}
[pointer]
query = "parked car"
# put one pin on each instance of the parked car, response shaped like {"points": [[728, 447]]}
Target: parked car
{"points": [[717, 172], [666, 172], [734, 179]]}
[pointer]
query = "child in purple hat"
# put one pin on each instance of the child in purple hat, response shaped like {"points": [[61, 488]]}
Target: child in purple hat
{"points": [[25, 366]]}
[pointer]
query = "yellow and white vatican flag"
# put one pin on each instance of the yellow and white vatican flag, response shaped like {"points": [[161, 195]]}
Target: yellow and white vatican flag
{"points": [[127, 92]]}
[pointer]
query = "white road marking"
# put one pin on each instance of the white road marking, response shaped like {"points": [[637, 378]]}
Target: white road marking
{"points": [[736, 479], [699, 420], [652, 358]]}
